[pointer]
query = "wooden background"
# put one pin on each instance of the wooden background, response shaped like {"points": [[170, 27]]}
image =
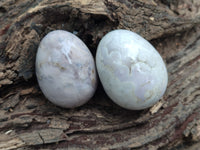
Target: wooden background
{"points": [[29, 121]]}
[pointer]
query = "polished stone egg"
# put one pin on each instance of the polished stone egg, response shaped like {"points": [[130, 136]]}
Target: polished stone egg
{"points": [[132, 72], [65, 69]]}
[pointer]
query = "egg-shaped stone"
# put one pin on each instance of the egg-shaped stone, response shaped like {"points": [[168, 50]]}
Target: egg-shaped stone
{"points": [[132, 72], [65, 69]]}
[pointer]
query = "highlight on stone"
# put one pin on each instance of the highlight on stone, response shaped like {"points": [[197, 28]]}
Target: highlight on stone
{"points": [[65, 69], [132, 72]]}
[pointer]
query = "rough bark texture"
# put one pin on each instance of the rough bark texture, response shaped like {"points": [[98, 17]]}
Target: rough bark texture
{"points": [[29, 121]]}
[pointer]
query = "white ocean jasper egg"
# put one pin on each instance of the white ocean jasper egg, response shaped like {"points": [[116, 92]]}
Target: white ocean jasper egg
{"points": [[131, 71], [65, 69]]}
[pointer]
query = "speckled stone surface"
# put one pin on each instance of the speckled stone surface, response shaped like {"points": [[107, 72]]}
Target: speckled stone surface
{"points": [[65, 69], [131, 71]]}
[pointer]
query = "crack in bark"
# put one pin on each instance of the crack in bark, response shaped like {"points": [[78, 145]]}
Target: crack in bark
{"points": [[41, 138]]}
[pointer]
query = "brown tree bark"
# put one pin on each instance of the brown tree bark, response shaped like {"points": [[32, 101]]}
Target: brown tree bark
{"points": [[28, 120]]}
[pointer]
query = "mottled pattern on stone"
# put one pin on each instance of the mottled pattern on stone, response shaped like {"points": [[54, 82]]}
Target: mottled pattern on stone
{"points": [[132, 72], [65, 69]]}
